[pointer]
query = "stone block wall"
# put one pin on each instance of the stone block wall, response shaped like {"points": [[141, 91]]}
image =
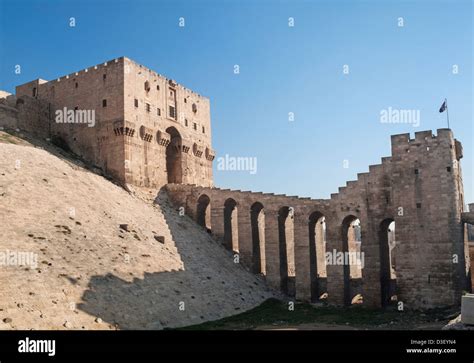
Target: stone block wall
{"points": [[148, 99], [140, 134], [8, 110], [419, 188]]}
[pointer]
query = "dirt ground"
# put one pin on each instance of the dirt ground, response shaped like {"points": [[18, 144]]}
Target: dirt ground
{"points": [[102, 257]]}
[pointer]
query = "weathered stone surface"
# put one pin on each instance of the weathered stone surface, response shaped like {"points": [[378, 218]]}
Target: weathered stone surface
{"points": [[96, 279], [467, 309], [456, 324], [419, 187], [151, 132], [148, 130]]}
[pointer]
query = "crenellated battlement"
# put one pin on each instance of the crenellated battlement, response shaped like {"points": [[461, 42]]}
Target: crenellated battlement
{"points": [[96, 68], [152, 73], [402, 143]]}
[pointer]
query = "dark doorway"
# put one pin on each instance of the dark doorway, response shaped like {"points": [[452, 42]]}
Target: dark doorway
{"points": [[173, 157]]}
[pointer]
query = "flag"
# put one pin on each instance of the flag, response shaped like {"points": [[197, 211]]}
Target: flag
{"points": [[443, 107]]}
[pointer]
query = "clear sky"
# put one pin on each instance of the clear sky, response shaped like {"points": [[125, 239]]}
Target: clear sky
{"points": [[283, 69]]}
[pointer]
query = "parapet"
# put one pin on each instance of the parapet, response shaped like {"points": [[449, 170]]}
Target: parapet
{"points": [[155, 74], [98, 67], [402, 143]]}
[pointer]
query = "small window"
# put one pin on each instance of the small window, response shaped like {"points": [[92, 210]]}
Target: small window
{"points": [[104, 103], [104, 76], [147, 86], [158, 112], [195, 126], [76, 108], [77, 85], [158, 88], [185, 122], [148, 107], [194, 107], [185, 100], [172, 112], [416, 171], [448, 169], [203, 130], [136, 102], [418, 205], [34, 91]]}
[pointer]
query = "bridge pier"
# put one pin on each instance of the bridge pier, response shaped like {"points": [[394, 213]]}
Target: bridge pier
{"points": [[272, 249], [245, 235], [302, 257], [217, 220], [335, 272]]}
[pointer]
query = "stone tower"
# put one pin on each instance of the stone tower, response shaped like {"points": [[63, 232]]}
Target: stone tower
{"points": [[148, 130], [428, 193]]}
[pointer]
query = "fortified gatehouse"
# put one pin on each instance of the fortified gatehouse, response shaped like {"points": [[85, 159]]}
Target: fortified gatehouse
{"points": [[394, 235], [148, 130]]}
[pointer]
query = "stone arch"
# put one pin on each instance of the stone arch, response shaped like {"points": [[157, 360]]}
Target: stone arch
{"points": [[352, 268], [317, 255], [287, 250], [388, 278], [173, 157], [257, 221], [203, 212], [231, 226]]}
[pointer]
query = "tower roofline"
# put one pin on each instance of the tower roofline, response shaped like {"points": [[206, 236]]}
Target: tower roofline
{"points": [[122, 59]]}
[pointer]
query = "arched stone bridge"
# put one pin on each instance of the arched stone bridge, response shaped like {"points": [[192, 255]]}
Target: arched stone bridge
{"points": [[299, 244]]}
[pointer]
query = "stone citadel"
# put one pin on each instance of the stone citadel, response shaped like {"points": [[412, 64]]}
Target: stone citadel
{"points": [[149, 131], [405, 216]]}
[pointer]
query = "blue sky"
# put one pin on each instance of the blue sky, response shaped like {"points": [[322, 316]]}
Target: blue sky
{"points": [[282, 69]]}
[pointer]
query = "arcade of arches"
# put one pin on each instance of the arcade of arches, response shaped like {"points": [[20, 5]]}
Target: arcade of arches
{"points": [[293, 246]]}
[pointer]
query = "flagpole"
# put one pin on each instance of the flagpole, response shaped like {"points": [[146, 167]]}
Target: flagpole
{"points": [[447, 111]]}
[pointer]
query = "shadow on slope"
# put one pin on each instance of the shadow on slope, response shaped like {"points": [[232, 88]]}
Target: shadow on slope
{"points": [[209, 287]]}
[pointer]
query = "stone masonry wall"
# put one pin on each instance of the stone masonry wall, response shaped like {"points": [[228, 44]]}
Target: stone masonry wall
{"points": [[85, 90], [148, 98], [135, 130], [419, 188]]}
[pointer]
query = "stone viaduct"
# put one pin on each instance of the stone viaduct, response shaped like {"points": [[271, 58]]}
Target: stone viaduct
{"points": [[424, 263], [396, 234]]}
